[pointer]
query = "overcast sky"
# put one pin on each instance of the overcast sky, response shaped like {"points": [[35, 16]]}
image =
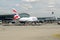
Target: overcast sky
{"points": [[38, 8]]}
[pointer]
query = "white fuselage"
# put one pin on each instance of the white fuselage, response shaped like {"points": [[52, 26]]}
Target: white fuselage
{"points": [[28, 19]]}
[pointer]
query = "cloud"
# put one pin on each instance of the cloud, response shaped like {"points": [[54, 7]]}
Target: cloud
{"points": [[3, 10], [30, 0], [17, 4], [51, 3], [51, 0], [24, 6], [51, 6], [0, 8], [27, 6]]}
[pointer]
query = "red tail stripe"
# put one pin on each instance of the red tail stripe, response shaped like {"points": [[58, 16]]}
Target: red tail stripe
{"points": [[14, 10]]}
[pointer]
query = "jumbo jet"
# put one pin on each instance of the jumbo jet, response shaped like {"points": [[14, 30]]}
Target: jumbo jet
{"points": [[23, 19]]}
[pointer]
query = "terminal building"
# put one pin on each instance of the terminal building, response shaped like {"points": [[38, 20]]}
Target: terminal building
{"points": [[47, 19], [6, 18]]}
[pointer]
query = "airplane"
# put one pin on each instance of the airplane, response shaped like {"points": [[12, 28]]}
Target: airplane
{"points": [[23, 19]]}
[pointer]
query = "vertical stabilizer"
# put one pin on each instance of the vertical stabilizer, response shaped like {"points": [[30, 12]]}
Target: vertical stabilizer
{"points": [[16, 15]]}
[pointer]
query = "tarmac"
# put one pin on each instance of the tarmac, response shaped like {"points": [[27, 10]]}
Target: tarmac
{"points": [[42, 32]]}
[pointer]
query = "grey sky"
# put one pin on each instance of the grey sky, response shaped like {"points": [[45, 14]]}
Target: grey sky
{"points": [[38, 8]]}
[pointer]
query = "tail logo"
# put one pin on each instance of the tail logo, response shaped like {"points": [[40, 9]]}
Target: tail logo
{"points": [[16, 16]]}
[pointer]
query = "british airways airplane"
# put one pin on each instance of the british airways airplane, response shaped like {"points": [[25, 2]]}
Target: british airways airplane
{"points": [[23, 19]]}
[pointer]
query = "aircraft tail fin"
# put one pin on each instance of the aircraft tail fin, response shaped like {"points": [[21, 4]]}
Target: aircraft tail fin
{"points": [[14, 10], [16, 16]]}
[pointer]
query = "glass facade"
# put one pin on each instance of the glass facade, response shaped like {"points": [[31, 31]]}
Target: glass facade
{"points": [[24, 15], [10, 17]]}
